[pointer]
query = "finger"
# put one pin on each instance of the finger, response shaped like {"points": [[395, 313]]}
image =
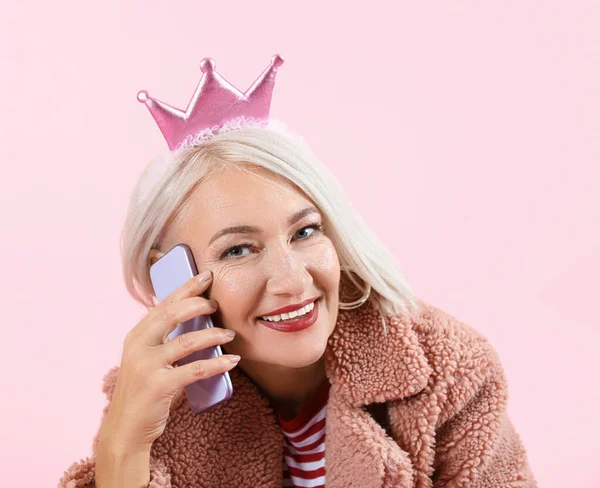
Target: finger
{"points": [[186, 344], [195, 286], [190, 373], [166, 319]]}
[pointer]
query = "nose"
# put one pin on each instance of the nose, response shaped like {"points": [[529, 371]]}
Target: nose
{"points": [[287, 273]]}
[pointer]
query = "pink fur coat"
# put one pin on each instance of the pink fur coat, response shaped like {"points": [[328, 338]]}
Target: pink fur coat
{"points": [[424, 406]]}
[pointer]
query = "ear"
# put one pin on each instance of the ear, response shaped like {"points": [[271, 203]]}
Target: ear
{"points": [[154, 255]]}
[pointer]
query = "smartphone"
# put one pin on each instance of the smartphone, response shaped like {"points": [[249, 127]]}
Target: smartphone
{"points": [[167, 274]]}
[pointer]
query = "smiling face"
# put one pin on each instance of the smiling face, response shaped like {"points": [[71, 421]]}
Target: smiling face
{"points": [[263, 240]]}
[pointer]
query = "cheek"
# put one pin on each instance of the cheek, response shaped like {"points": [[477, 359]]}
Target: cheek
{"points": [[236, 291], [326, 265]]}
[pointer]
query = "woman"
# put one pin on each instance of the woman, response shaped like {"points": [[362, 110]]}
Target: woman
{"points": [[379, 390]]}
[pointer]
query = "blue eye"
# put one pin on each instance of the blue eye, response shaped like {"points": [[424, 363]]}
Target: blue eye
{"points": [[313, 227], [229, 252]]}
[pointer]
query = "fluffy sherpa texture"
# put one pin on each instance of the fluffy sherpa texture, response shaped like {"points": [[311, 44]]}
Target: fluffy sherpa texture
{"points": [[438, 387]]}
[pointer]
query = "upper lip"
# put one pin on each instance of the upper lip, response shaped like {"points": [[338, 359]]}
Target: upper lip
{"points": [[290, 308]]}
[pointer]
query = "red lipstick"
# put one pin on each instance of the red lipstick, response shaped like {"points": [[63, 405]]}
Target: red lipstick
{"points": [[289, 308], [294, 325]]}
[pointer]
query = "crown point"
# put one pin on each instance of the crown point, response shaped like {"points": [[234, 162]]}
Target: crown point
{"points": [[142, 96], [207, 65], [277, 60]]}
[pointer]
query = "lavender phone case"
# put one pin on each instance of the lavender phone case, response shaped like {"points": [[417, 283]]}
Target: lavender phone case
{"points": [[167, 274]]}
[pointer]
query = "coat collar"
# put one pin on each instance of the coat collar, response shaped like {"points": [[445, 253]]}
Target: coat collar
{"points": [[364, 365]]}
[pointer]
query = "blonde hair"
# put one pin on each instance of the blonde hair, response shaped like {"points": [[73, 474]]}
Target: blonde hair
{"points": [[164, 186]]}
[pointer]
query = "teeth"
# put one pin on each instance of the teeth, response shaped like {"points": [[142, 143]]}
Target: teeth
{"points": [[291, 315]]}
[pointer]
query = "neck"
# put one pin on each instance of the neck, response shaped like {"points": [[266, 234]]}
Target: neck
{"points": [[288, 389]]}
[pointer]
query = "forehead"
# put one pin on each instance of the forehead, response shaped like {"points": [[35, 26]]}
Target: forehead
{"points": [[237, 197]]}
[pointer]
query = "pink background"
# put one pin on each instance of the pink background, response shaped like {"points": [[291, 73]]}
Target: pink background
{"points": [[465, 134]]}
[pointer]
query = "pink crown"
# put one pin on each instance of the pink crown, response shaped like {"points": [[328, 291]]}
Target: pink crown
{"points": [[214, 104]]}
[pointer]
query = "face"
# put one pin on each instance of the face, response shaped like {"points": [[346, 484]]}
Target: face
{"points": [[282, 257]]}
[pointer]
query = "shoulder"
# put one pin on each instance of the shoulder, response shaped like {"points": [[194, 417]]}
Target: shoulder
{"points": [[463, 361]]}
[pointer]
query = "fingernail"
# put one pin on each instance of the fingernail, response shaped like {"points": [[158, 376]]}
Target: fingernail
{"points": [[204, 275], [229, 332], [234, 359]]}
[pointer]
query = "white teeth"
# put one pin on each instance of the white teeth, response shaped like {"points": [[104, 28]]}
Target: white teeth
{"points": [[291, 315]]}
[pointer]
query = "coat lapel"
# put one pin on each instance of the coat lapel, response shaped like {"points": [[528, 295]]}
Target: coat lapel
{"points": [[365, 366]]}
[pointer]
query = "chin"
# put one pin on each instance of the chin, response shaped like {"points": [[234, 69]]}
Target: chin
{"points": [[302, 360], [299, 353]]}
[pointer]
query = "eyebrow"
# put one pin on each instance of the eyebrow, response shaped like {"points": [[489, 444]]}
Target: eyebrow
{"points": [[248, 229]]}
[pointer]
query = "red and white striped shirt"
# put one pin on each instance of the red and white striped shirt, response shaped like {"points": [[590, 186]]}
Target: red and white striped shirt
{"points": [[304, 443]]}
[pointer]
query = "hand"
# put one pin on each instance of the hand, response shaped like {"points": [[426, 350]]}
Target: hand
{"points": [[147, 381]]}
